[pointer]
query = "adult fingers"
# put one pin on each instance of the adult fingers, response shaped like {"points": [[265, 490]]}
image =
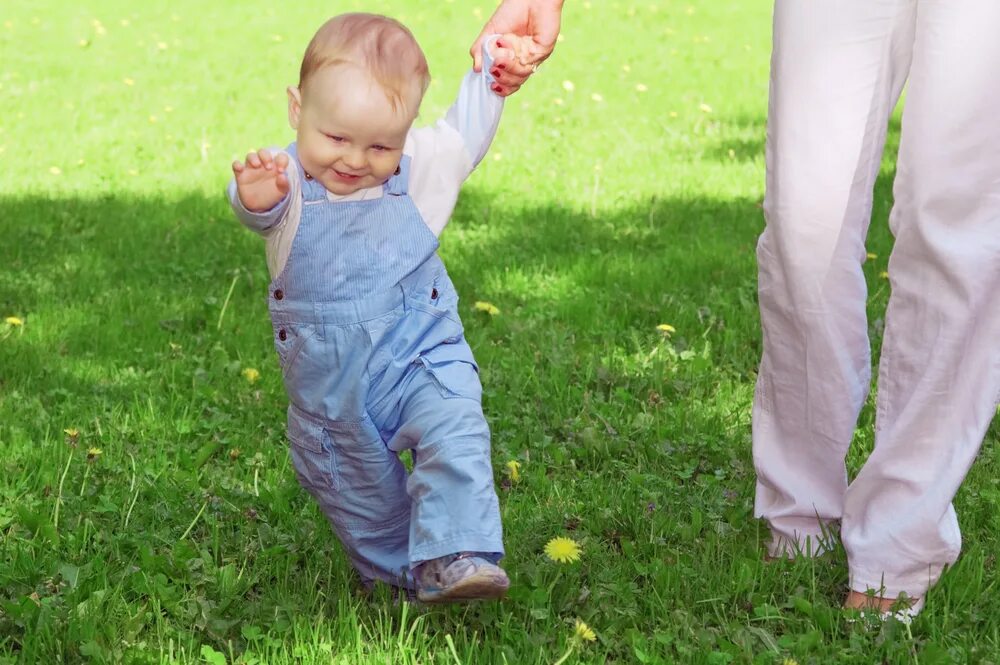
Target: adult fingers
{"points": [[477, 52], [506, 90]]}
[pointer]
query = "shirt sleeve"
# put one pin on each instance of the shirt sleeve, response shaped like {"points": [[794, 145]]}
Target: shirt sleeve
{"points": [[445, 153]]}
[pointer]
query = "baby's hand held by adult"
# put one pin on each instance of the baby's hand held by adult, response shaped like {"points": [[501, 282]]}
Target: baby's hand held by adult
{"points": [[261, 180]]}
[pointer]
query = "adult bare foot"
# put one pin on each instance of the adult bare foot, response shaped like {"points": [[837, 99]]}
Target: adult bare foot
{"points": [[864, 602]]}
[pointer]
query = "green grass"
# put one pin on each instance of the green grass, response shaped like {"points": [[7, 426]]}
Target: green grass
{"points": [[594, 220]]}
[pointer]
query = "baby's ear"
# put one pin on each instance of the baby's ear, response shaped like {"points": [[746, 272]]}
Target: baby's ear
{"points": [[294, 106]]}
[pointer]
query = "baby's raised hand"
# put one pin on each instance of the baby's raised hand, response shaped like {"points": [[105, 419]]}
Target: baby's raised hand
{"points": [[261, 181]]}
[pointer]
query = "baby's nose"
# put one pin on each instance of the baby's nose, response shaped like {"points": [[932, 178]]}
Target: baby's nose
{"points": [[355, 159]]}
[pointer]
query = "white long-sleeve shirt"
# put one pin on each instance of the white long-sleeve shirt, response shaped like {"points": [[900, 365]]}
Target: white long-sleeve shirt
{"points": [[442, 156]]}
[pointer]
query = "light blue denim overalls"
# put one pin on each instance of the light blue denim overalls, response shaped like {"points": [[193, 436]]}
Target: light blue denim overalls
{"points": [[375, 362]]}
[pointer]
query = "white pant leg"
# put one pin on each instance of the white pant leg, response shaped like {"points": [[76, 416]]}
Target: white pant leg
{"points": [[836, 72], [940, 370]]}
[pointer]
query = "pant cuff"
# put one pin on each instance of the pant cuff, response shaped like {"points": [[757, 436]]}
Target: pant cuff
{"points": [[888, 585], [486, 543]]}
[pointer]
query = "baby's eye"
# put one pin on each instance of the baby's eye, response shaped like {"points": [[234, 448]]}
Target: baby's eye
{"points": [[335, 139], [380, 148]]}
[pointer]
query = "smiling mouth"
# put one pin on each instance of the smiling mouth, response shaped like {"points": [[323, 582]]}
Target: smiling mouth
{"points": [[346, 176]]}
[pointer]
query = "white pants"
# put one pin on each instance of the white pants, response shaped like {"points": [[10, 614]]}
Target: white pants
{"points": [[837, 70]]}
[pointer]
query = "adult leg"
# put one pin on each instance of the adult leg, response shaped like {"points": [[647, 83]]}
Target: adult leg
{"points": [[837, 69], [940, 370]]}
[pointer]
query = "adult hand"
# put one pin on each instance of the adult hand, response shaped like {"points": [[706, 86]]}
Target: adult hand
{"points": [[536, 22]]}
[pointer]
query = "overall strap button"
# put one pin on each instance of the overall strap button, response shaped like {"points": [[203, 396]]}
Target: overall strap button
{"points": [[282, 335], [279, 294]]}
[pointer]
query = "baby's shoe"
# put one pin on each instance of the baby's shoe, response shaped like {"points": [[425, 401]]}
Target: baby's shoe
{"points": [[458, 577]]}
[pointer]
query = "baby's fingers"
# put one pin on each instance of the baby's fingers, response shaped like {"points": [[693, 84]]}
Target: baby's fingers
{"points": [[237, 167], [253, 160], [281, 182], [266, 158], [281, 161]]}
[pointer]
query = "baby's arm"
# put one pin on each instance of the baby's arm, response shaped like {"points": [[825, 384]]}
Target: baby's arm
{"points": [[445, 153], [475, 115], [259, 190]]}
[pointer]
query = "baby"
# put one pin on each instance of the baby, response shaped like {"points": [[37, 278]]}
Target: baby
{"points": [[365, 318]]}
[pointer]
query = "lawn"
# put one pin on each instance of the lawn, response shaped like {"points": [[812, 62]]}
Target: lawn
{"points": [[148, 509]]}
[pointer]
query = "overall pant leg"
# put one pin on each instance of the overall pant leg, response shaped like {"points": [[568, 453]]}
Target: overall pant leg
{"points": [[360, 486], [836, 72], [939, 376], [454, 503]]}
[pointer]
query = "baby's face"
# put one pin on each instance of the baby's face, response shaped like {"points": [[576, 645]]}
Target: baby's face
{"points": [[348, 135]]}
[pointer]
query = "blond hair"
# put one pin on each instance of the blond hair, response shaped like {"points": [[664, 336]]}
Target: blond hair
{"points": [[382, 46]]}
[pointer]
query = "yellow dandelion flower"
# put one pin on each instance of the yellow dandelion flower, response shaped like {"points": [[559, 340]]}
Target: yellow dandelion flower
{"points": [[673, 114], [558, 101], [568, 86], [641, 87], [152, 119], [276, 38], [488, 307], [871, 256], [666, 328], [168, 109], [84, 43], [14, 321], [124, 22], [705, 108], [497, 156], [584, 632], [789, 661], [251, 375], [597, 97], [562, 550], [626, 68], [163, 46], [55, 170], [513, 470], [93, 454], [72, 432], [884, 274], [128, 81]]}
